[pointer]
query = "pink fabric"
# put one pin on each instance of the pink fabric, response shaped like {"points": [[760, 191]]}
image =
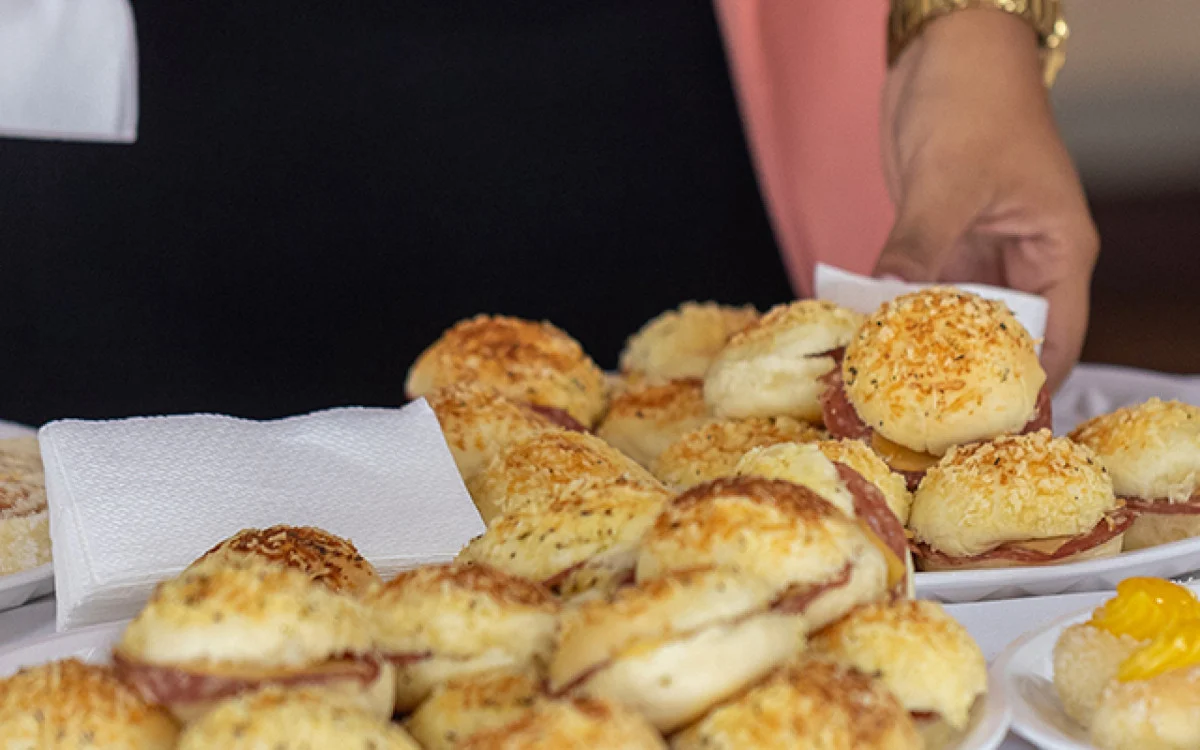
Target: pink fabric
{"points": [[809, 77]]}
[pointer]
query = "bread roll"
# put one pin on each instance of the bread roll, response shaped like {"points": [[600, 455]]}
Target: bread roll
{"points": [[526, 361], [682, 343], [325, 558], [573, 724], [712, 450], [479, 422], [923, 655], [69, 705], [774, 367], [24, 519], [642, 421], [291, 720], [544, 467], [1086, 659], [1156, 714], [224, 628], [466, 705], [672, 647], [940, 367], [443, 621], [810, 703]]}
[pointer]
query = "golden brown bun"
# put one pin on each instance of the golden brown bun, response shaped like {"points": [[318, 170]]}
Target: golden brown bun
{"points": [[1086, 659], [326, 558], [24, 520], [478, 422], [810, 703], [1015, 488], [590, 523], [246, 611], [811, 464], [643, 420], [774, 367], [713, 449], [1152, 450], [536, 471], [465, 706], [292, 720], [573, 724], [681, 343], [923, 655], [526, 361], [672, 647], [1153, 529], [466, 618], [778, 532], [940, 367], [1157, 714], [69, 705]]}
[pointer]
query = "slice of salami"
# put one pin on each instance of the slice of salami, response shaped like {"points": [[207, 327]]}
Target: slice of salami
{"points": [[560, 417], [1113, 524], [1164, 507], [871, 506], [796, 599], [1043, 413], [838, 413]]}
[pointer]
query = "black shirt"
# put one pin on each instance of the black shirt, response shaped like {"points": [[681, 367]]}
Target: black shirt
{"points": [[319, 189]]}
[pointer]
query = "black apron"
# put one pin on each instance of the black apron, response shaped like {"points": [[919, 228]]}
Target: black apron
{"points": [[319, 189]]}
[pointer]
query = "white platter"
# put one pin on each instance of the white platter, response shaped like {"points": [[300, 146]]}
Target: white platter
{"points": [[1165, 561], [18, 588], [988, 727], [1025, 672]]}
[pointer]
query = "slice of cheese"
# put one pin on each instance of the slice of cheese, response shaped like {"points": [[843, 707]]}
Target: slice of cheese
{"points": [[899, 457]]}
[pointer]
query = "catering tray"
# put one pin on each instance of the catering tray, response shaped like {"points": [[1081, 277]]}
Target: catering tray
{"points": [[18, 588]]}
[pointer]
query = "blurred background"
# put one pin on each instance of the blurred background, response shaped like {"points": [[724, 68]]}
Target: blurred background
{"points": [[1128, 103]]}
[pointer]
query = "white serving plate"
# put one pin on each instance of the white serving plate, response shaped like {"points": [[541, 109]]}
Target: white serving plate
{"points": [[1025, 672], [987, 729], [1165, 561], [18, 588]]}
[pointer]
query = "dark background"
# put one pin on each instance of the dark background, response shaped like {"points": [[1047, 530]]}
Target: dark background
{"points": [[316, 194]]}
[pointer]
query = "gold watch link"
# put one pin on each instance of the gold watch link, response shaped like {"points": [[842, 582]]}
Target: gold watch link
{"points": [[908, 17]]}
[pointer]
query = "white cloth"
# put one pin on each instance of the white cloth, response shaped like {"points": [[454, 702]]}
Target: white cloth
{"points": [[135, 501], [68, 70], [865, 294]]}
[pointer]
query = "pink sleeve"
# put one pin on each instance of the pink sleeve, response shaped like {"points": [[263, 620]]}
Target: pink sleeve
{"points": [[809, 77]]}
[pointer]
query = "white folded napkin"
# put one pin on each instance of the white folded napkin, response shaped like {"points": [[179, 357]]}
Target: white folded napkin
{"points": [[134, 501], [866, 294], [68, 70], [1092, 390]]}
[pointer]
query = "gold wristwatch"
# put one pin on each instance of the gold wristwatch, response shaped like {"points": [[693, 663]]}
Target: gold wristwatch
{"points": [[908, 17]]}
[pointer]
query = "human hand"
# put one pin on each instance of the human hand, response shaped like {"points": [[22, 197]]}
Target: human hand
{"points": [[984, 188]]}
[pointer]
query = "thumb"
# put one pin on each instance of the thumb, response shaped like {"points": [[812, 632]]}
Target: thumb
{"points": [[920, 243]]}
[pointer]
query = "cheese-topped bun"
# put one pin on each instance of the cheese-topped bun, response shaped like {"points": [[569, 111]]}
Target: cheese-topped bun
{"points": [[923, 655], [643, 420], [469, 704], [326, 558], [69, 705], [531, 362], [934, 369], [775, 366], [224, 627], [1017, 500], [1152, 451], [713, 449], [672, 647], [809, 703], [24, 521], [275, 719], [479, 422], [572, 724], [541, 468], [682, 343], [586, 539], [818, 561], [439, 621], [1156, 714]]}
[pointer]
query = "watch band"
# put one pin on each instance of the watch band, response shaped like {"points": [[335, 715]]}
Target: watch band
{"points": [[908, 17]]}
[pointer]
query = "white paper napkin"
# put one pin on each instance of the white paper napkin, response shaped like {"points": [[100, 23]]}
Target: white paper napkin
{"points": [[135, 501], [68, 70], [866, 294], [1092, 390]]}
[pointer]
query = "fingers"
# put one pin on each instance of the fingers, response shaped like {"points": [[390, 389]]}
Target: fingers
{"points": [[925, 235], [1069, 296]]}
